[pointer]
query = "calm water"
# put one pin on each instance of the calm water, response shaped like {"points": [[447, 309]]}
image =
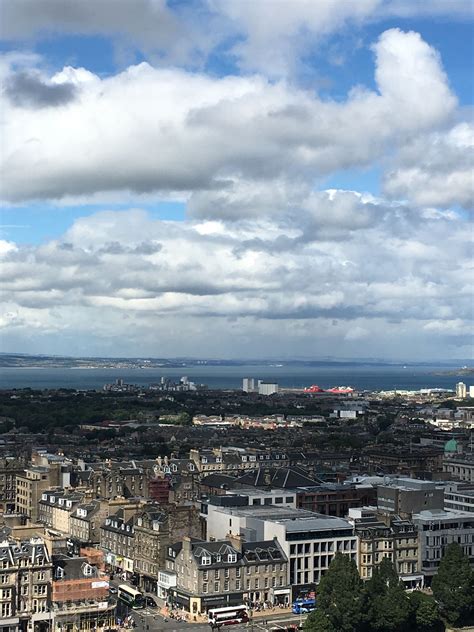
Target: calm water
{"points": [[360, 377]]}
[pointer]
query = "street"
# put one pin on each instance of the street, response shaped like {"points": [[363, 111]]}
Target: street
{"points": [[149, 620]]}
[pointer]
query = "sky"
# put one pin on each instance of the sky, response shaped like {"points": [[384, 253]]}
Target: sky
{"points": [[237, 178]]}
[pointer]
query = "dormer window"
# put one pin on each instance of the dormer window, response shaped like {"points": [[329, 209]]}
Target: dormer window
{"points": [[218, 558], [205, 560], [232, 557], [68, 504], [59, 572], [44, 496]]}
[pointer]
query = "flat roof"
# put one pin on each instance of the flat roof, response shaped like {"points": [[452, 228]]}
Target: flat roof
{"points": [[292, 519]]}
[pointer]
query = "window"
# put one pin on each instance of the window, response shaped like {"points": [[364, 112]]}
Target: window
{"points": [[256, 583], [266, 582], [274, 582], [216, 587], [205, 560], [204, 588], [226, 573], [232, 558], [216, 574], [278, 500], [6, 610], [205, 575], [237, 584], [39, 590], [226, 584], [237, 572]]}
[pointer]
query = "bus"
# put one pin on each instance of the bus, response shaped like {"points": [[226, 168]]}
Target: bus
{"points": [[131, 597], [227, 616], [302, 606]]}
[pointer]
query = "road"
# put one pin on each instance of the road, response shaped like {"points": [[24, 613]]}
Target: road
{"points": [[149, 620]]}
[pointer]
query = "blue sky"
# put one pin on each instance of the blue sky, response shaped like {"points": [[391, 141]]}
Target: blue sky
{"points": [[332, 78], [271, 162]]}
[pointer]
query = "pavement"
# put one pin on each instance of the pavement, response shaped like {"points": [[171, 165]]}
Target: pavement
{"points": [[149, 620]]}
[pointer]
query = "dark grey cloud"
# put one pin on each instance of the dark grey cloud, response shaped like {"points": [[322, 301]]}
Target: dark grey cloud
{"points": [[27, 89]]}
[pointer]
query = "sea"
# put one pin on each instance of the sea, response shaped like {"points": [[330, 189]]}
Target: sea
{"points": [[361, 377]]}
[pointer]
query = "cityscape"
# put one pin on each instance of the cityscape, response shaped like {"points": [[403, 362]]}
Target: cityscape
{"points": [[236, 315]]}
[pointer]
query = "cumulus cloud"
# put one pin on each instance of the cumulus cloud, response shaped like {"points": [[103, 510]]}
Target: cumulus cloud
{"points": [[149, 129], [270, 37], [435, 169]]}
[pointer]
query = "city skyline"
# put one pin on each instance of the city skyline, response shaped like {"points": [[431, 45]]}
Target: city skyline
{"points": [[236, 179]]}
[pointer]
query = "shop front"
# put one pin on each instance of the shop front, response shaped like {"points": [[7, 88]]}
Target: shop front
{"points": [[281, 596]]}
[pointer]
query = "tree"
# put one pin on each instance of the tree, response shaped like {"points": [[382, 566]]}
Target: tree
{"points": [[338, 599], [425, 614], [453, 586], [387, 604]]}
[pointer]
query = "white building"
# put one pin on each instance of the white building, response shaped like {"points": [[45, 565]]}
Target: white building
{"points": [[437, 529], [310, 540], [459, 496], [248, 384], [461, 390], [267, 388]]}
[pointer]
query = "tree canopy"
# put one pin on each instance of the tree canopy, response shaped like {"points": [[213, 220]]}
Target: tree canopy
{"points": [[453, 586], [339, 599]]}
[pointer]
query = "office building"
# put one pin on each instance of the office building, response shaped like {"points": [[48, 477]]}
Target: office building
{"points": [[405, 496], [439, 528], [309, 540]]}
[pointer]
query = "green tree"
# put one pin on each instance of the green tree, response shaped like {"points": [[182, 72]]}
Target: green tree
{"points": [[453, 586], [338, 599], [425, 614], [387, 603]]}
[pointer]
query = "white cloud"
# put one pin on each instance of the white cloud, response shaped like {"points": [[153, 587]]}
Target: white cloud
{"points": [[183, 286], [436, 169], [149, 130]]}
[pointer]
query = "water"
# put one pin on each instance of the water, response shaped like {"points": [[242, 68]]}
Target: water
{"points": [[364, 377]]}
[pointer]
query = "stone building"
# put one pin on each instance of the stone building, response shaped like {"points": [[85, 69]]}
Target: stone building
{"points": [[117, 536], [80, 594], [56, 507], [86, 520], [30, 486], [10, 468], [398, 541], [221, 573], [25, 585], [154, 530]]}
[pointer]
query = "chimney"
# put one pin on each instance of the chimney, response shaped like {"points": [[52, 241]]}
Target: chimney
{"points": [[187, 545], [236, 540]]}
